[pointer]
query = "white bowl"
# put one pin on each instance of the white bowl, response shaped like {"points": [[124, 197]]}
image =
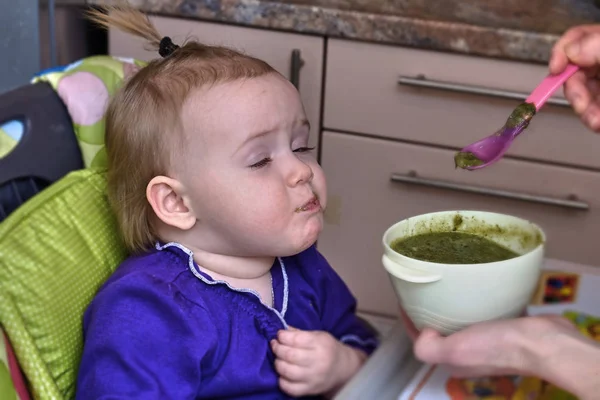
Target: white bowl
{"points": [[450, 297]]}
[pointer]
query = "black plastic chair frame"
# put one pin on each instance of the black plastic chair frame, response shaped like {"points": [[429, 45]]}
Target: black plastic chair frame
{"points": [[46, 152]]}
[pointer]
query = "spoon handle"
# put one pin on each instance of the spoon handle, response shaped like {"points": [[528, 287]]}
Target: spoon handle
{"points": [[549, 85]]}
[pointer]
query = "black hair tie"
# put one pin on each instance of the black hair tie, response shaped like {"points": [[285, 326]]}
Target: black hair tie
{"points": [[166, 47]]}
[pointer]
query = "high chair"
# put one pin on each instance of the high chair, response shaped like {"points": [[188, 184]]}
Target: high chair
{"points": [[58, 246]]}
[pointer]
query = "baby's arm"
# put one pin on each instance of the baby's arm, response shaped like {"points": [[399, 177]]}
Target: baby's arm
{"points": [[338, 311], [322, 361], [141, 340], [338, 315]]}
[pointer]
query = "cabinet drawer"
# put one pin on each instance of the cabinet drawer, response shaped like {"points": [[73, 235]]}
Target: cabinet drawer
{"points": [[363, 95], [364, 201], [276, 48]]}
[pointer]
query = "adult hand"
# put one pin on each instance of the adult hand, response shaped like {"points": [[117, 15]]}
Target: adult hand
{"points": [[549, 347], [501, 347], [581, 46]]}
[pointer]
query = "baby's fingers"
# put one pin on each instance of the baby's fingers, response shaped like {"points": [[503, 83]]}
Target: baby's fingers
{"points": [[293, 355], [297, 338], [290, 372], [294, 389]]}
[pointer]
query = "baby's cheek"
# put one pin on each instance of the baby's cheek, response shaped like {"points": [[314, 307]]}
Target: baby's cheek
{"points": [[269, 210]]}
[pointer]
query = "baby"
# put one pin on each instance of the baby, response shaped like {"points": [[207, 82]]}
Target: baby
{"points": [[220, 202]]}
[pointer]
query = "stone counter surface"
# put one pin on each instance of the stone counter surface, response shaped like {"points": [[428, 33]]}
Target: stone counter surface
{"points": [[545, 16], [510, 29]]}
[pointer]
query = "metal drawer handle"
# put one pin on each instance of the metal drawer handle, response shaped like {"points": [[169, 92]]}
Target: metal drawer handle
{"points": [[421, 81], [412, 178], [296, 63]]}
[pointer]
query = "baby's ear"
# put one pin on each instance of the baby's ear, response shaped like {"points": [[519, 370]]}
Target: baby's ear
{"points": [[164, 195]]}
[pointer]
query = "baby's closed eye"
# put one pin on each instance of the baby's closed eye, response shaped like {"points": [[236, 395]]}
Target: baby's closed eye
{"points": [[303, 149]]}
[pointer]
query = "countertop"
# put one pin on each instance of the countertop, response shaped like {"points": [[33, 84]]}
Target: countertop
{"points": [[510, 29]]}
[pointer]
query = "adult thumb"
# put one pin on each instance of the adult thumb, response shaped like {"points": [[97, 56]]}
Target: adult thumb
{"points": [[585, 52], [429, 347]]}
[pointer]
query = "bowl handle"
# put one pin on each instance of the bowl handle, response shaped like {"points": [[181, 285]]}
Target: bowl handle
{"points": [[409, 274]]}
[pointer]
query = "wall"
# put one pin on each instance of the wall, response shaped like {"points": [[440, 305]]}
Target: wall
{"points": [[19, 42]]}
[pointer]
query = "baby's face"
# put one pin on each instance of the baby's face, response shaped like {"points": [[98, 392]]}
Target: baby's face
{"points": [[254, 186]]}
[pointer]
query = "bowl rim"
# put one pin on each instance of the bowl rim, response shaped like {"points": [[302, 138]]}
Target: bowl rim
{"points": [[389, 251]]}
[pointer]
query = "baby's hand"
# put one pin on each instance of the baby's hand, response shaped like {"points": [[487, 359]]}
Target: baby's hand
{"points": [[313, 362]]}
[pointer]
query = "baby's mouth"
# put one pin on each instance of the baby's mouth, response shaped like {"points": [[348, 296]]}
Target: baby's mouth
{"points": [[311, 205]]}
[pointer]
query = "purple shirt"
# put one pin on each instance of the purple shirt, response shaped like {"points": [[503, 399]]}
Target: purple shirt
{"points": [[159, 328]]}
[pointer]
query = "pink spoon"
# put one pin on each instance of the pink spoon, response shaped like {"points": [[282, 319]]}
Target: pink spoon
{"points": [[490, 149]]}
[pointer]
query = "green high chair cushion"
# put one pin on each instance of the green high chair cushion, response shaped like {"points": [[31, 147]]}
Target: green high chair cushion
{"points": [[55, 252]]}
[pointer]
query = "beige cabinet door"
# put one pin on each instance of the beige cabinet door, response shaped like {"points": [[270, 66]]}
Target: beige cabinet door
{"points": [[281, 50], [373, 183]]}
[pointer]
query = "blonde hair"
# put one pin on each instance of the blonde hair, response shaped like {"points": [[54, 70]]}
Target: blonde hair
{"points": [[143, 118]]}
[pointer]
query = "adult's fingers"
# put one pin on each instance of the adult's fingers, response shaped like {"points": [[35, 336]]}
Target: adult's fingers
{"points": [[584, 52], [577, 92], [430, 347], [559, 59]]}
